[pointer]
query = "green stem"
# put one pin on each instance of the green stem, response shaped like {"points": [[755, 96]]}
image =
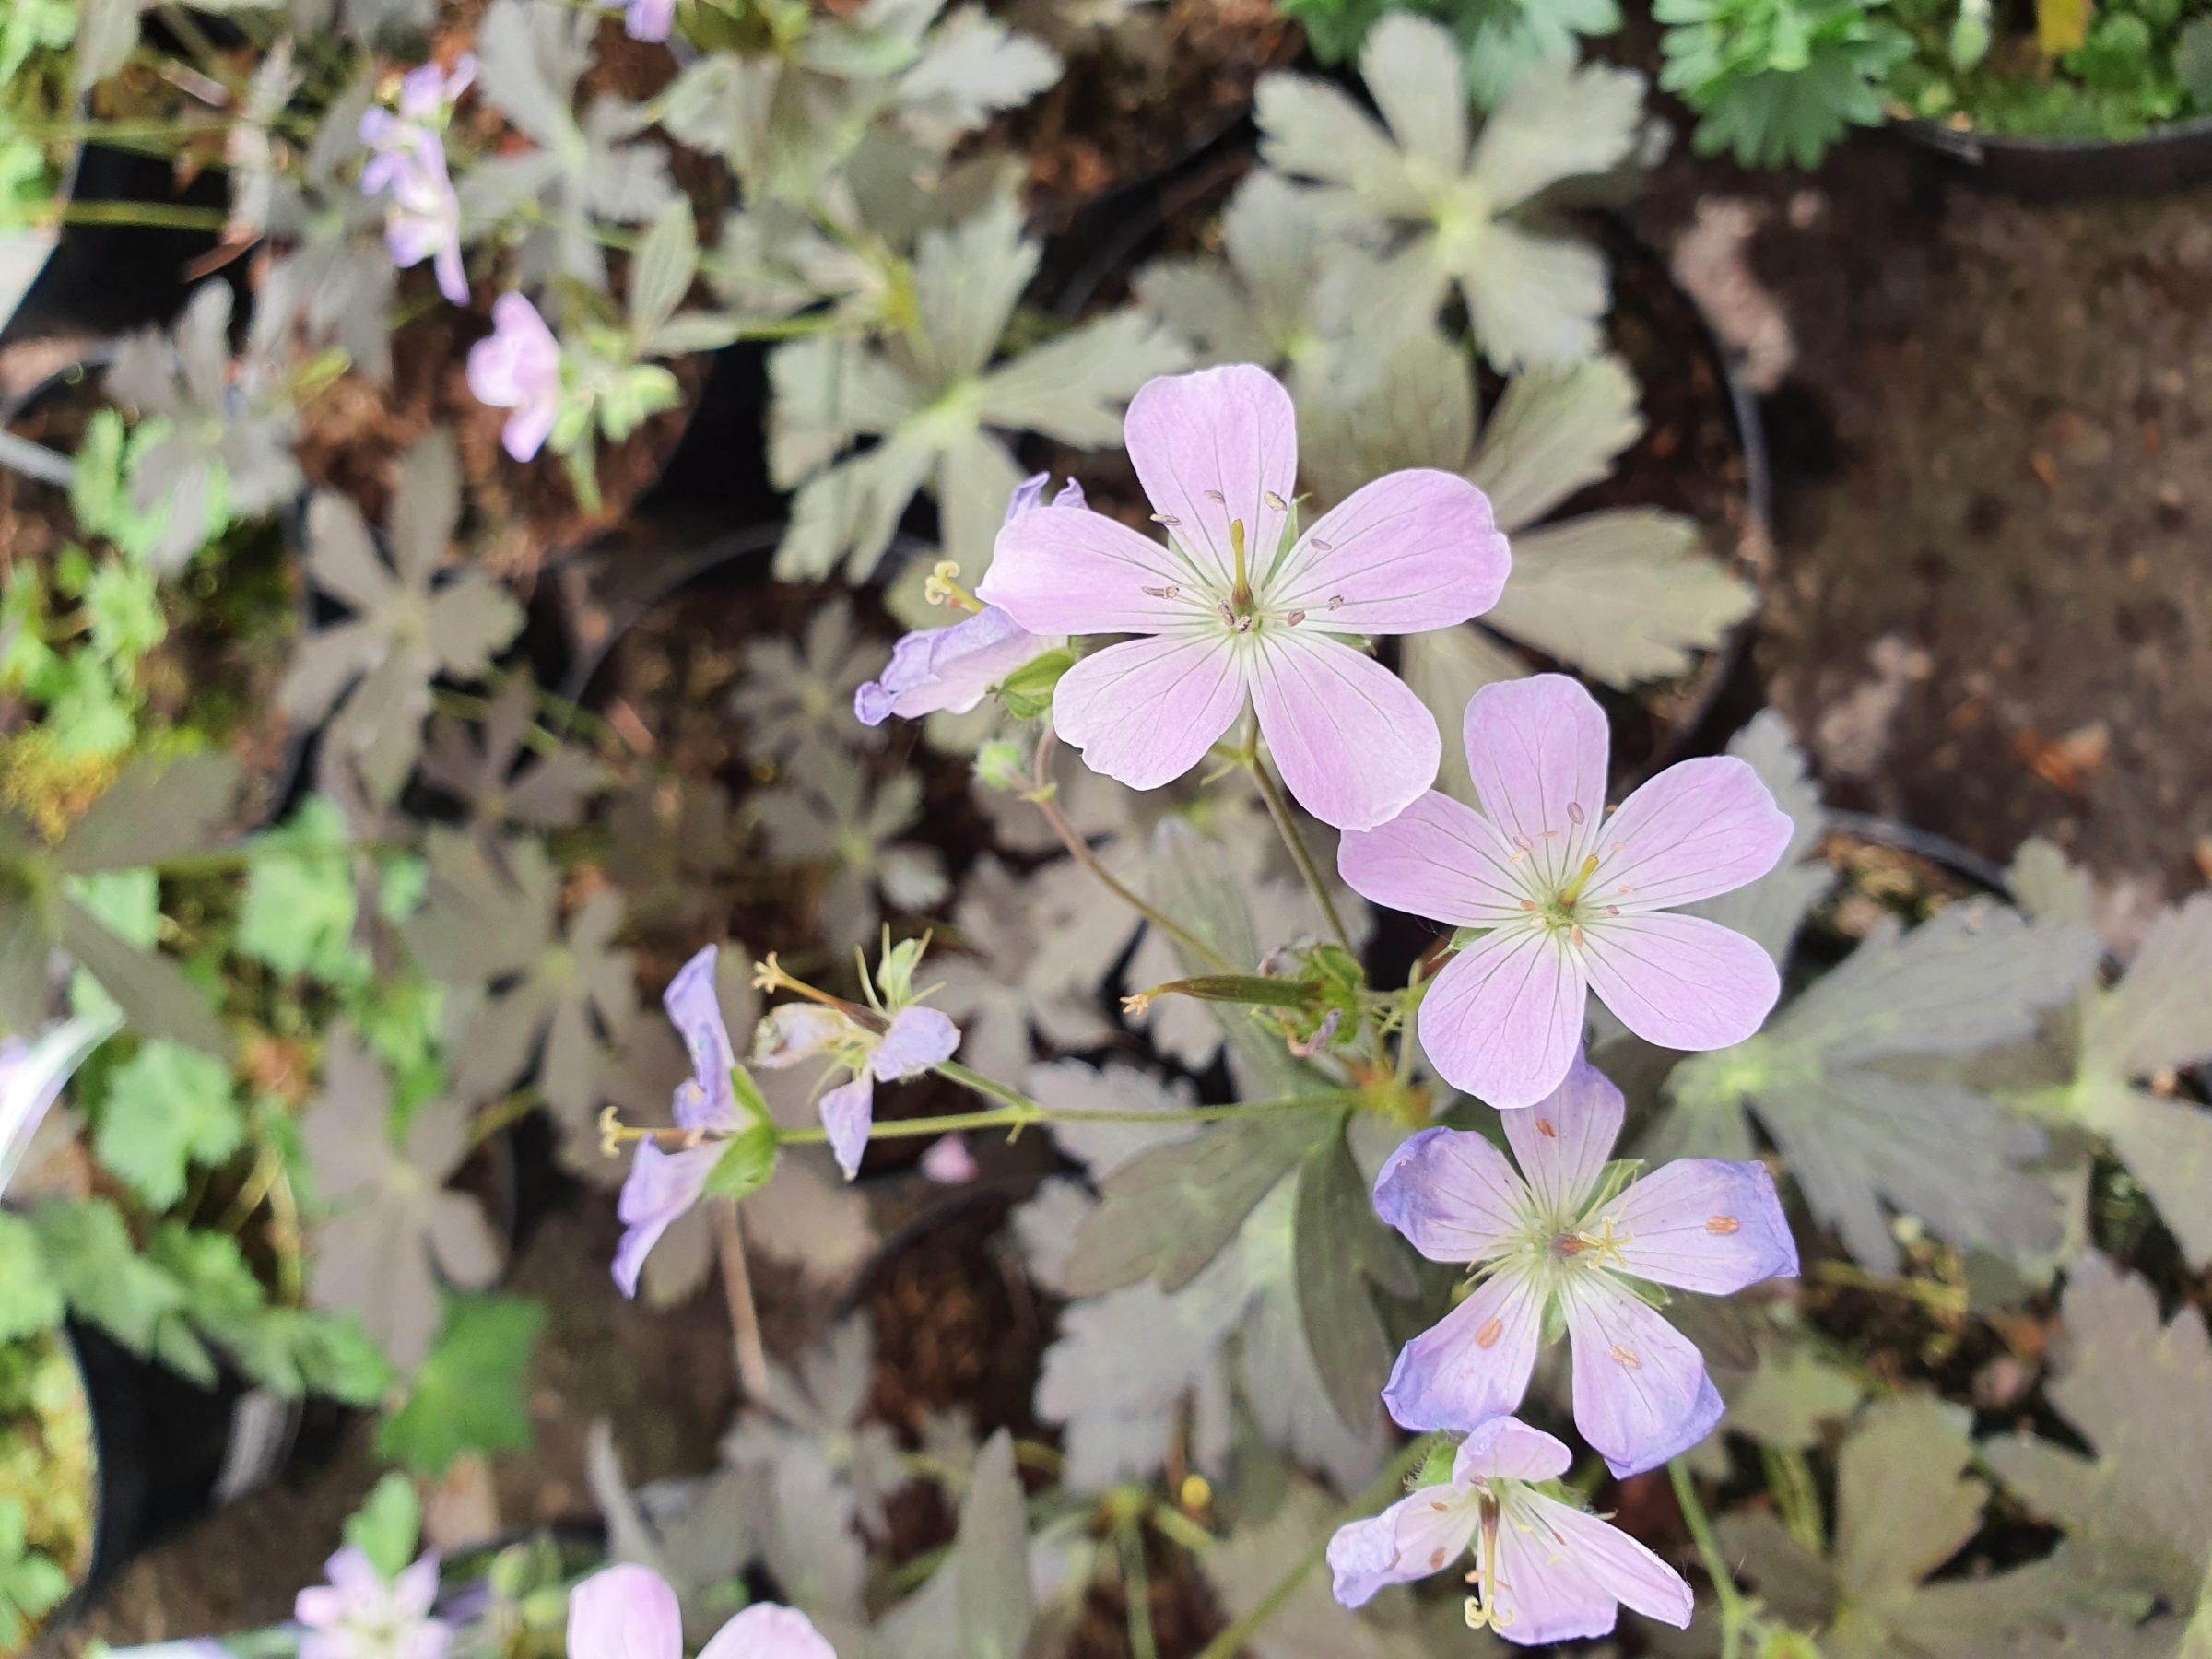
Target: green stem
{"points": [[1136, 1590], [1022, 1111], [155, 215], [1232, 1641], [1735, 1612], [1080, 850], [1791, 1479], [1279, 808]]}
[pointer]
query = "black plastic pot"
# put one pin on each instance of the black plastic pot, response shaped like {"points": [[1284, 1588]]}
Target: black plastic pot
{"points": [[104, 279], [2065, 169], [168, 1450]]}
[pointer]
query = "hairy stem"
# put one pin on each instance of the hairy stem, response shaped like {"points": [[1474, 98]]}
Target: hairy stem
{"points": [[737, 1291], [1080, 852], [1232, 1641], [1279, 808], [153, 216], [1735, 1612], [1021, 1111]]}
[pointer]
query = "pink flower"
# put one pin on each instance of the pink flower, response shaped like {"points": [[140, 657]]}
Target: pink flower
{"points": [[954, 668], [407, 162], [649, 19], [1568, 899], [662, 1185], [1544, 1571], [1235, 613], [630, 1613], [1560, 1239], [949, 1163], [361, 1615], [517, 366], [918, 1039]]}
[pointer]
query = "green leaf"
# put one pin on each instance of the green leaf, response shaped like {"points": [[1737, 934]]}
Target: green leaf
{"points": [[124, 608], [2136, 1508], [661, 272], [166, 1109], [748, 1163], [469, 1394], [31, 1585], [1028, 692], [30, 1300], [1339, 1247], [1858, 1083], [990, 1559], [104, 1279], [388, 1524], [1167, 1212], [301, 906]]}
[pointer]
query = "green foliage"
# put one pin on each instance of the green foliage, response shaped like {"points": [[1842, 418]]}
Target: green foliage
{"points": [[468, 1396], [1778, 81], [167, 1109], [300, 907], [388, 1524], [1500, 38], [2141, 63], [28, 1299], [31, 1585]]}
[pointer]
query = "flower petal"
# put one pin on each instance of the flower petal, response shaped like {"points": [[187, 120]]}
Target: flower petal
{"points": [[1473, 1364], [660, 1188], [624, 1613], [1536, 748], [1702, 827], [1453, 1194], [1215, 446], [1504, 1020], [1421, 1533], [1702, 1224], [1146, 712], [1411, 552], [1563, 1142], [1070, 571], [696, 1012], [1355, 746], [1438, 859], [1681, 982], [1614, 1563], [919, 1039], [952, 669], [793, 1031], [1640, 1392], [1538, 1596], [768, 1632], [848, 1113], [1508, 1449]]}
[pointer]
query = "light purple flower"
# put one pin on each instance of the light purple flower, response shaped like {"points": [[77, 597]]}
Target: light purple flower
{"points": [[949, 1163], [1235, 613], [1562, 1235], [422, 220], [362, 1615], [1573, 899], [629, 1613], [517, 366], [662, 1185], [1544, 1571], [793, 1031], [918, 1038], [954, 668], [32, 1074], [648, 19]]}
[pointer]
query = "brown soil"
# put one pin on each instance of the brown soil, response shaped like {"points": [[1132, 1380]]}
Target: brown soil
{"points": [[1138, 97], [355, 431], [1992, 434]]}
